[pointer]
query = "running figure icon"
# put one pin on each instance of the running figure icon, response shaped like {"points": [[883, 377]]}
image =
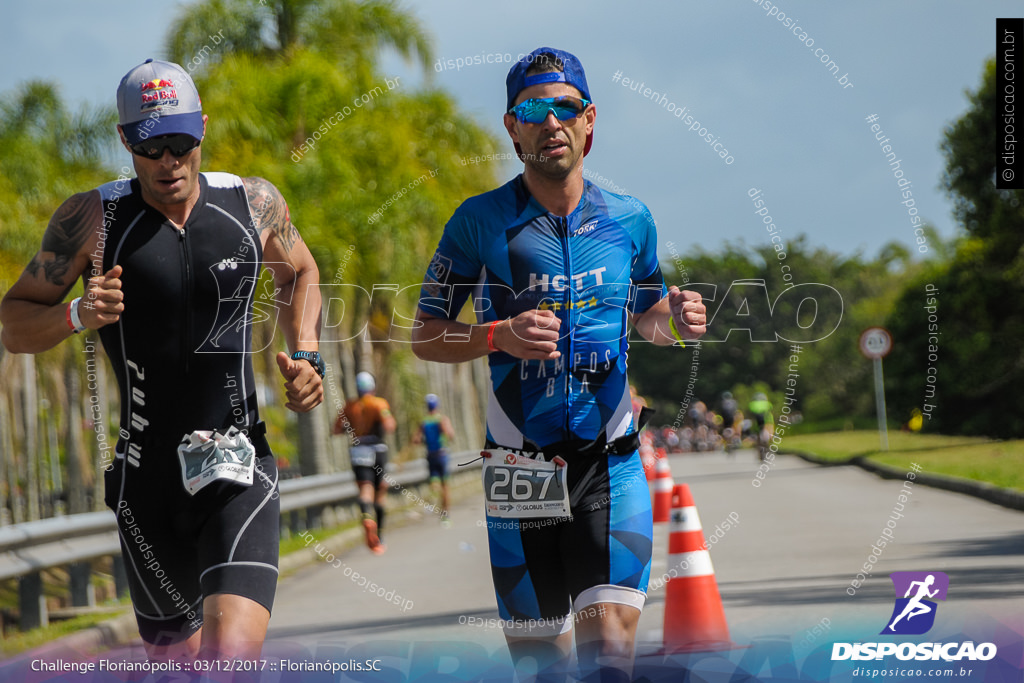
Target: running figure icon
{"points": [[915, 607]]}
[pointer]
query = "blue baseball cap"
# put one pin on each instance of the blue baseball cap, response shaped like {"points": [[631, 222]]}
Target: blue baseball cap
{"points": [[158, 98], [432, 401], [571, 74]]}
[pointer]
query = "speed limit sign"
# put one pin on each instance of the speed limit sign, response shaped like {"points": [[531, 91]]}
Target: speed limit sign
{"points": [[875, 342]]}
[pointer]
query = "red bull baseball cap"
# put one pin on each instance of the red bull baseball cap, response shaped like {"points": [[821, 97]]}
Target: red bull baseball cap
{"points": [[571, 73], [158, 98]]}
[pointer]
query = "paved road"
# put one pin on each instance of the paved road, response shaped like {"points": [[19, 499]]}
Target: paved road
{"points": [[807, 531], [802, 537]]}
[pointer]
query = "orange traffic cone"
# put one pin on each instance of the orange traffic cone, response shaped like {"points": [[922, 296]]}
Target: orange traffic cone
{"points": [[649, 461], [694, 616], [662, 502]]}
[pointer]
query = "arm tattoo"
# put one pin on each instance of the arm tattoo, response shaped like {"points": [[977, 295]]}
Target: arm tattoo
{"points": [[70, 227], [270, 212]]}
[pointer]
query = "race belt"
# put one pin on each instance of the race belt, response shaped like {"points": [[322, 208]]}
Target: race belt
{"points": [[624, 445], [365, 455]]}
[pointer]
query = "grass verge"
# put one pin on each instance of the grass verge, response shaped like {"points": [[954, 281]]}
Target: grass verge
{"points": [[19, 642], [1000, 463]]}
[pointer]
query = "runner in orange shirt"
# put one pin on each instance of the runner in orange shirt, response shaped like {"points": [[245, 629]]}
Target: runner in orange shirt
{"points": [[367, 420]]}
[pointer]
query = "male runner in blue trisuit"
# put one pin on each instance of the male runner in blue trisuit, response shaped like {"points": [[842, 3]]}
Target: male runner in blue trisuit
{"points": [[559, 267]]}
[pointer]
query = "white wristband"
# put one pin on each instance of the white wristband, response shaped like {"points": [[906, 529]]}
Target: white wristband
{"points": [[76, 321]]}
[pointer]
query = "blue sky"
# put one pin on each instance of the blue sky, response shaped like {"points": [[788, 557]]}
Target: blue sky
{"points": [[792, 129]]}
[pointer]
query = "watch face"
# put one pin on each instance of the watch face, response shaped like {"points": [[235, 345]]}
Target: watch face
{"points": [[314, 358]]}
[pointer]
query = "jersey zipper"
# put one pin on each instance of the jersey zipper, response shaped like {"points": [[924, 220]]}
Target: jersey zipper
{"points": [[563, 222], [186, 286]]}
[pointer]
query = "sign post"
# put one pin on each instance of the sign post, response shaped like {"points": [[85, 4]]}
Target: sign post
{"points": [[876, 343]]}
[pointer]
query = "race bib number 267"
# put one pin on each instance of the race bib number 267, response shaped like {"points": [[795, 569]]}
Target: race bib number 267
{"points": [[520, 487]]}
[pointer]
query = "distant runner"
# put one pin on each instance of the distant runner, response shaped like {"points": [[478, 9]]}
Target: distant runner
{"points": [[367, 420], [732, 418], [761, 412], [436, 432]]}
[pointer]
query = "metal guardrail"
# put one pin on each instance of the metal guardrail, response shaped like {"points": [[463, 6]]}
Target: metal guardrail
{"points": [[29, 548], [326, 489], [34, 546]]}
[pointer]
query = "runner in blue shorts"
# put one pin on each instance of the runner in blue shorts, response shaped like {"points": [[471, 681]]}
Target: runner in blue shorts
{"points": [[557, 268], [436, 432]]}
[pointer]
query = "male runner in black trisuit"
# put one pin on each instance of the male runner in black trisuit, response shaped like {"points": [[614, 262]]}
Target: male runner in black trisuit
{"points": [[170, 262]]}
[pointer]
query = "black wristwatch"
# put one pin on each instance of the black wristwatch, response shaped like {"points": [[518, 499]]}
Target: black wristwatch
{"points": [[314, 359]]}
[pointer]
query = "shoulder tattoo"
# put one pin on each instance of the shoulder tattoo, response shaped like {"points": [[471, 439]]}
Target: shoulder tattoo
{"points": [[270, 211], [69, 228]]}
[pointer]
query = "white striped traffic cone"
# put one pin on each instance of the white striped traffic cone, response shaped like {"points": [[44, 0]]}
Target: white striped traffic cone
{"points": [[694, 616], [662, 502], [649, 461]]}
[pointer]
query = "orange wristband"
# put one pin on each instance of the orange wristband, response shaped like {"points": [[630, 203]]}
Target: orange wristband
{"points": [[491, 348]]}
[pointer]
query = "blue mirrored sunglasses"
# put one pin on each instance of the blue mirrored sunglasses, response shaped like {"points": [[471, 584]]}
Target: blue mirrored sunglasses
{"points": [[536, 110]]}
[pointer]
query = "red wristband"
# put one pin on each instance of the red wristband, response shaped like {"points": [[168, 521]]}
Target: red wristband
{"points": [[491, 348], [67, 316]]}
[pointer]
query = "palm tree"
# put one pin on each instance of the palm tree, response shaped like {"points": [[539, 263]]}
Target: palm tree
{"points": [[46, 154], [280, 80], [351, 34]]}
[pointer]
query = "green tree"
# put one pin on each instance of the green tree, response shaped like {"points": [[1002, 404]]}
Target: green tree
{"points": [[349, 34], [834, 380], [371, 169], [47, 152], [962, 360]]}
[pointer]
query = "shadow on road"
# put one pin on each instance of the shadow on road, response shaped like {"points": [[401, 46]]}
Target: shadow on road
{"points": [[374, 625], [681, 475], [1007, 544], [966, 583]]}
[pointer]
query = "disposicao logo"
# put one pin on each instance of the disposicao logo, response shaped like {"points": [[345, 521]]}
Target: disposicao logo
{"points": [[913, 615]]}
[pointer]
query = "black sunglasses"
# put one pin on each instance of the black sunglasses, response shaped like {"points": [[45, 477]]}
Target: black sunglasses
{"points": [[180, 144]]}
